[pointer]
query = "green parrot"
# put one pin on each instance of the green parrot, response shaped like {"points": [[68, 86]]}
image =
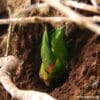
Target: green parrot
{"points": [[54, 54]]}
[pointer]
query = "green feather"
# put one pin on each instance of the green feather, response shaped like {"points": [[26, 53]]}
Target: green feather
{"points": [[46, 54], [54, 51], [59, 45], [60, 51]]}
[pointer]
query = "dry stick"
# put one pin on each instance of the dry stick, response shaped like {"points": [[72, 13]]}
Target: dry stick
{"points": [[9, 65], [93, 19], [74, 16], [38, 19], [38, 6], [7, 83], [87, 24], [10, 30], [82, 6], [8, 40], [9, 34], [34, 19]]}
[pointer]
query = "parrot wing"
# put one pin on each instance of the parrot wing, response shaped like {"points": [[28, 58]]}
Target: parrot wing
{"points": [[60, 51], [59, 45], [54, 53], [46, 55]]}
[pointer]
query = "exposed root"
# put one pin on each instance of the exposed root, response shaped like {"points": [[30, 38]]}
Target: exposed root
{"points": [[8, 66]]}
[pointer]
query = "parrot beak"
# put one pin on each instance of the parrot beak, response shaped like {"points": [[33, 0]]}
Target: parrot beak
{"points": [[45, 79], [47, 83]]}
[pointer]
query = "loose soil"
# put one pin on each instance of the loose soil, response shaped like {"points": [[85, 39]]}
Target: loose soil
{"points": [[83, 75]]}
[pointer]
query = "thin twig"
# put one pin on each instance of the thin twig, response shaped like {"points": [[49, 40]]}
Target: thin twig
{"points": [[71, 15], [8, 39], [34, 19], [82, 6], [87, 22], [38, 19], [74, 16], [9, 34]]}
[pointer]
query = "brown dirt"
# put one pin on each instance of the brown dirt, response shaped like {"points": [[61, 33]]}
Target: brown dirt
{"points": [[84, 63]]}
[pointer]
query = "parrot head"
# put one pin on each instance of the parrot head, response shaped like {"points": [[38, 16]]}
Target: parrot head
{"points": [[44, 75]]}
